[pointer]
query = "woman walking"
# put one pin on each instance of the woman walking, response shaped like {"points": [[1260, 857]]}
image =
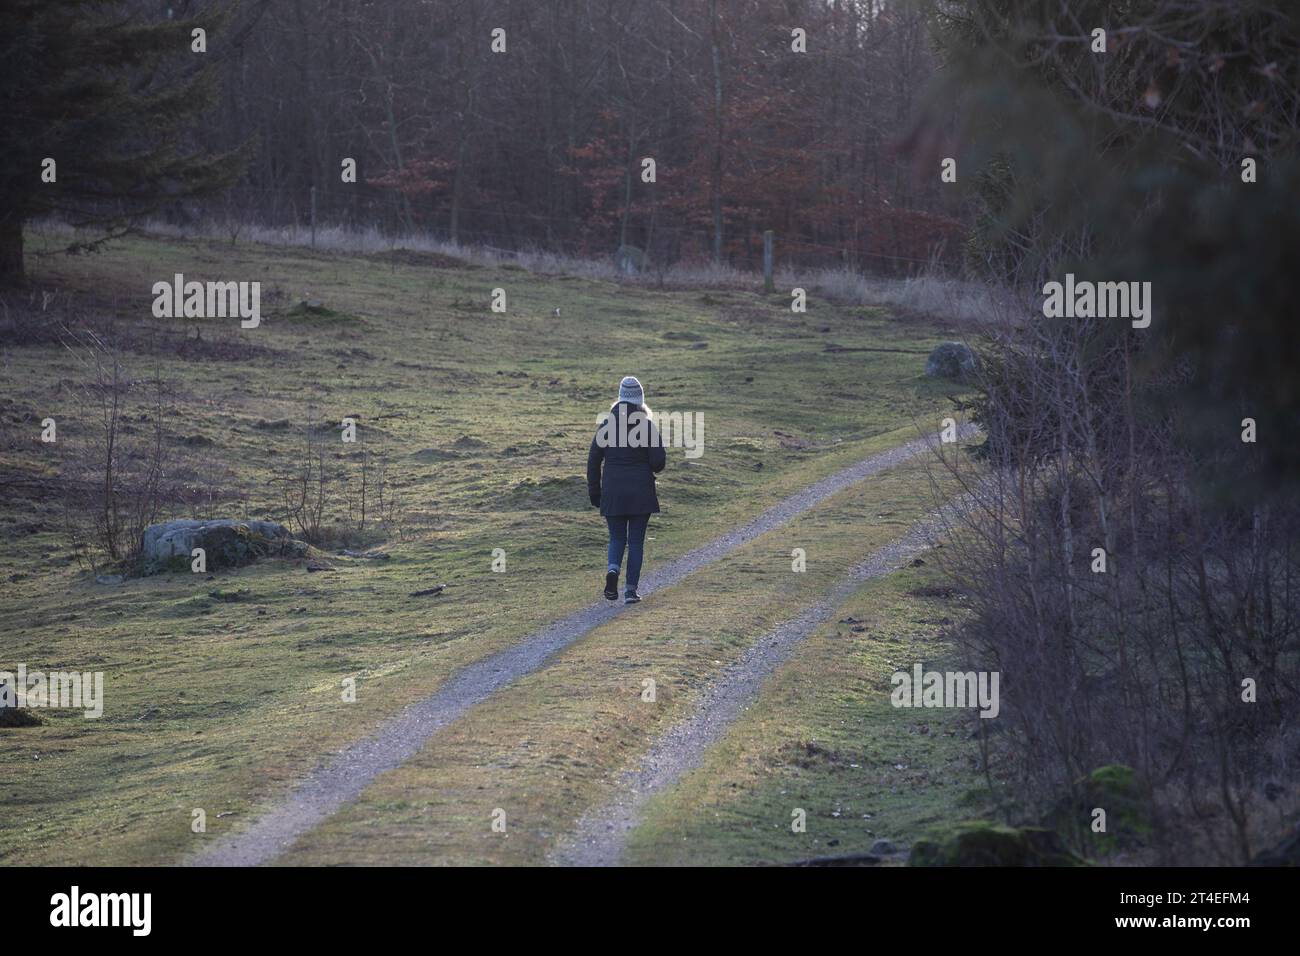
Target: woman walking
{"points": [[628, 445]]}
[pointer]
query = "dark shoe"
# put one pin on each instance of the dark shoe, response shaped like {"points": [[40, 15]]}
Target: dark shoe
{"points": [[630, 596], [611, 585]]}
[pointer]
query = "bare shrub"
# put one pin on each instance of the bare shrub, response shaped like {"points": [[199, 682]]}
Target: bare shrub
{"points": [[374, 500], [114, 475], [32, 316], [1123, 605], [306, 486], [339, 499]]}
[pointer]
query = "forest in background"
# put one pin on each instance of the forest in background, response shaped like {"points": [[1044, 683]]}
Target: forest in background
{"points": [[500, 123], [543, 144]]}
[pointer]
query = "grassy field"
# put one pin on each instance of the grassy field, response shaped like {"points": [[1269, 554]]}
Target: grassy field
{"points": [[822, 737], [223, 689], [545, 748]]}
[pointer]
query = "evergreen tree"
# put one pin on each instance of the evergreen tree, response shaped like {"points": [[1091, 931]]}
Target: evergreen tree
{"points": [[107, 94]]}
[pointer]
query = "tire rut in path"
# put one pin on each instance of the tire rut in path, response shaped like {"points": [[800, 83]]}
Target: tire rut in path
{"points": [[601, 835], [341, 780]]}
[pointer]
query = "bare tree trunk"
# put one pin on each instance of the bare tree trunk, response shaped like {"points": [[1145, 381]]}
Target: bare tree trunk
{"points": [[627, 188], [715, 180], [11, 249]]}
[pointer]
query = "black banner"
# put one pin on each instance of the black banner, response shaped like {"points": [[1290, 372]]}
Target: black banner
{"points": [[329, 905]]}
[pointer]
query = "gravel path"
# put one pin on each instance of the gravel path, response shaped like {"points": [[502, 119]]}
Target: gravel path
{"points": [[341, 779], [601, 835]]}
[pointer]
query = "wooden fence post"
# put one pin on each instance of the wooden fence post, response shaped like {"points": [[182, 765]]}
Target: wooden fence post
{"points": [[768, 285]]}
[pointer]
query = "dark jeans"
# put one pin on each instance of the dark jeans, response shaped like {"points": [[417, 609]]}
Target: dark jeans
{"points": [[627, 531]]}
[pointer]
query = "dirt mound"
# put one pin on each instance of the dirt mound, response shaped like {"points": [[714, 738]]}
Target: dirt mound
{"points": [[547, 494], [413, 257]]}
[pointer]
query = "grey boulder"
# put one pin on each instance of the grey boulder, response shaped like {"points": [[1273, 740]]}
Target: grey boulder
{"points": [[227, 542], [630, 260], [951, 360]]}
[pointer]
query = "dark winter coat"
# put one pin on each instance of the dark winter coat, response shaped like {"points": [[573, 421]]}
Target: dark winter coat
{"points": [[628, 484]]}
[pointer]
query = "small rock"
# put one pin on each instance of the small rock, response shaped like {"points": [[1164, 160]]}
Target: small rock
{"points": [[109, 579], [12, 715], [1285, 853], [951, 360], [882, 848], [630, 261]]}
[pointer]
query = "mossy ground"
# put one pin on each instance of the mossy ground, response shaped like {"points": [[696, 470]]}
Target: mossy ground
{"points": [[485, 418]]}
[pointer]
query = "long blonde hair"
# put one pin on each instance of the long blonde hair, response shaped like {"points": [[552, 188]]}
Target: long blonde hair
{"points": [[643, 408]]}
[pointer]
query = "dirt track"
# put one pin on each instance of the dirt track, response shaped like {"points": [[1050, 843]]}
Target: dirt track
{"points": [[340, 779]]}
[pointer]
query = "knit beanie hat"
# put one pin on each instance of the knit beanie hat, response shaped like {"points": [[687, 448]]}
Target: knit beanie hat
{"points": [[629, 390]]}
